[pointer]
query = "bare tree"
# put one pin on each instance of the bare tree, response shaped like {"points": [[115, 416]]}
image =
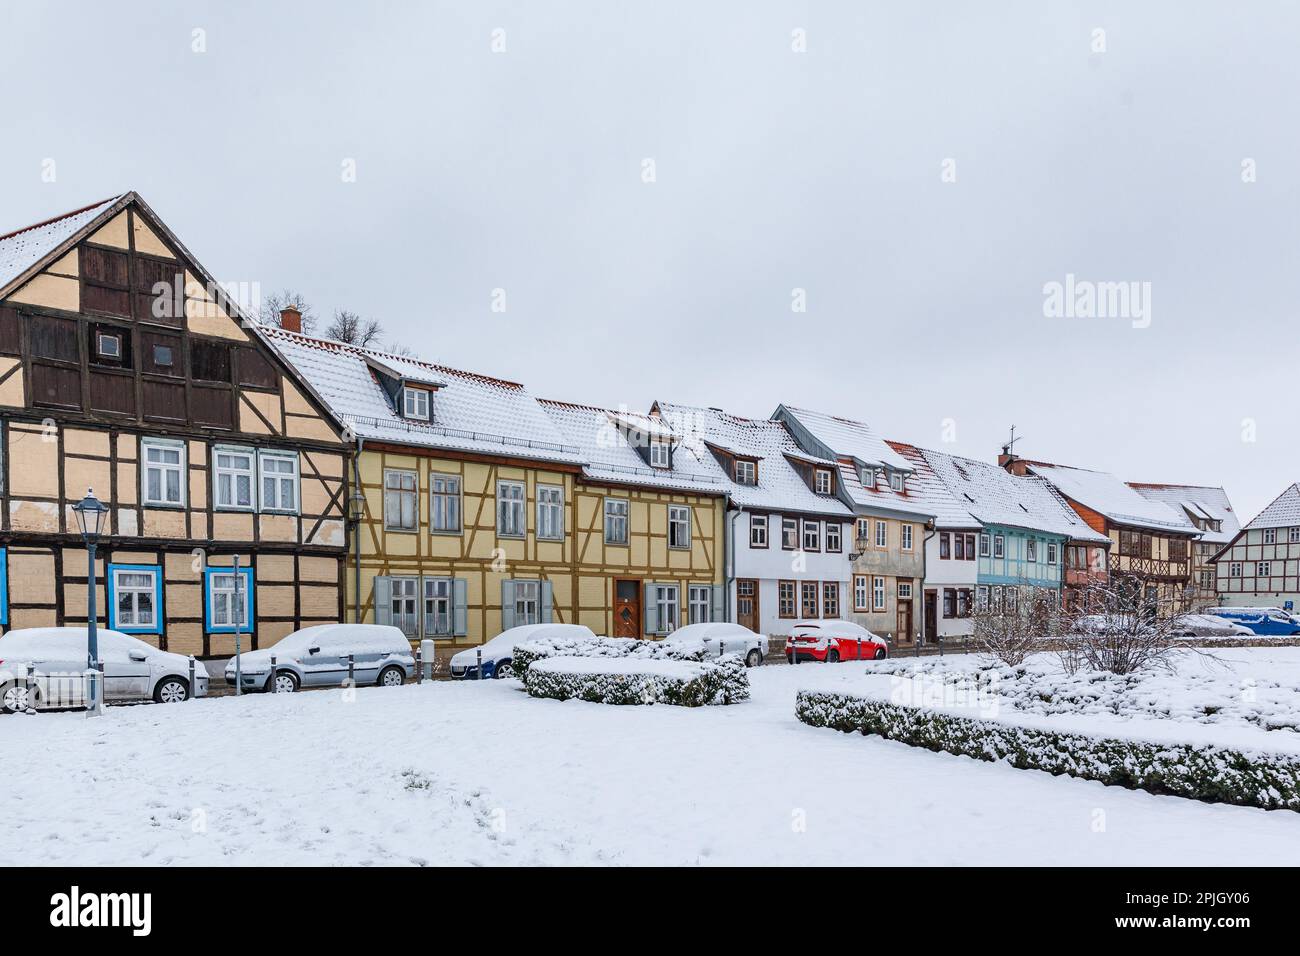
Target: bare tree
{"points": [[1129, 631], [1012, 632], [397, 348], [269, 314], [352, 329]]}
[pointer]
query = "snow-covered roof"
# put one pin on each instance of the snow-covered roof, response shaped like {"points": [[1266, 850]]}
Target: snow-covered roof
{"points": [[995, 496], [1108, 496], [780, 487], [1282, 512], [1207, 504], [404, 368], [23, 248], [469, 412], [602, 438], [926, 487], [846, 438]]}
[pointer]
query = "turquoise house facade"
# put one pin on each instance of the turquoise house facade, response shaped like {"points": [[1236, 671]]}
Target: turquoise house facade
{"points": [[1015, 557]]}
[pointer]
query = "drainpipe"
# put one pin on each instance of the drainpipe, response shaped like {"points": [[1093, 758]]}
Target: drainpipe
{"points": [[356, 528], [931, 531], [729, 561]]}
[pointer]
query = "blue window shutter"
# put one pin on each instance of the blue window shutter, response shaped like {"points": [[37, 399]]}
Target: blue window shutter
{"points": [[719, 602], [460, 607], [548, 599], [4, 586], [383, 600], [507, 605], [651, 611]]}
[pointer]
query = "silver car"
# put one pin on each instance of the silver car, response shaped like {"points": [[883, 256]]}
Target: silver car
{"points": [[133, 670], [318, 657]]}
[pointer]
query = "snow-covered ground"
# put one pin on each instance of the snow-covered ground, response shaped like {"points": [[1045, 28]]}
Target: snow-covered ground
{"points": [[452, 773]]}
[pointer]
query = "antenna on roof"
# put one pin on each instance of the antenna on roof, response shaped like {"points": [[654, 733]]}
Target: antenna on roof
{"points": [[1008, 450]]}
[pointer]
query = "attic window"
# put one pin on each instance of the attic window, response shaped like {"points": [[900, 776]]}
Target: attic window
{"points": [[415, 403], [659, 457], [896, 480], [822, 481], [746, 472], [108, 345]]}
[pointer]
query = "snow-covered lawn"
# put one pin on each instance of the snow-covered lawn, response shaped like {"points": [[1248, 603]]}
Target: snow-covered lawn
{"points": [[449, 773]]}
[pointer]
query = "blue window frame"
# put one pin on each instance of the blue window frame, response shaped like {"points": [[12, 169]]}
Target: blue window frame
{"points": [[218, 600], [135, 598], [4, 587]]}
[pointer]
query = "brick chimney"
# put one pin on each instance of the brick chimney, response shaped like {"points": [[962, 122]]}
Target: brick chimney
{"points": [[290, 319]]}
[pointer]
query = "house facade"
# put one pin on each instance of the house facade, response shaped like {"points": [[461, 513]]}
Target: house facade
{"points": [[1210, 512], [787, 533], [891, 522], [1260, 564], [125, 368]]}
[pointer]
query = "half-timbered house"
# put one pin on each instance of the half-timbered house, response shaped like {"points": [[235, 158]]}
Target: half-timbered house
{"points": [[1260, 565], [1210, 512], [125, 368]]}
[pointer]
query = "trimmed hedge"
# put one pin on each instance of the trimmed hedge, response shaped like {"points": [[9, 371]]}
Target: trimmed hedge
{"points": [[695, 688], [1211, 773]]}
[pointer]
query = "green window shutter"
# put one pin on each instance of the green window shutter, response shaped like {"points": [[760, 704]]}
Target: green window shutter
{"points": [[547, 601], [460, 605], [507, 605], [383, 600], [719, 608], [651, 611]]}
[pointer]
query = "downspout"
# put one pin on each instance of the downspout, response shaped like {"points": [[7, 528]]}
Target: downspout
{"points": [[356, 529], [931, 530], [729, 561]]}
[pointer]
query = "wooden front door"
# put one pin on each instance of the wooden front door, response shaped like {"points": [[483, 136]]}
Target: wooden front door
{"points": [[905, 633], [747, 603], [931, 616], [627, 608]]}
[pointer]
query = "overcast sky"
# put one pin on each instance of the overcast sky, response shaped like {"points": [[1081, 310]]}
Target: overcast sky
{"points": [[773, 170]]}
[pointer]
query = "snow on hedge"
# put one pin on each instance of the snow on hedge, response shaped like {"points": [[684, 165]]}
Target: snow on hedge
{"points": [[628, 671], [1213, 773]]}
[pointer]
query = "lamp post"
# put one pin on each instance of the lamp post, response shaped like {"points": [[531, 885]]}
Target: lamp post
{"points": [[90, 512]]}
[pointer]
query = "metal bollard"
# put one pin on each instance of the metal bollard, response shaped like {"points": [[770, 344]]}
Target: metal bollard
{"points": [[430, 657], [940, 640], [722, 647], [479, 657], [273, 690], [859, 647], [191, 675], [352, 669], [419, 664]]}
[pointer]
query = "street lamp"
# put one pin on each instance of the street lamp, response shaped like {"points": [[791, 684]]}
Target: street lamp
{"points": [[90, 513]]}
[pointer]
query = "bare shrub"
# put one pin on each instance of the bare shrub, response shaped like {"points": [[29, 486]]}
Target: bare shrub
{"points": [[1012, 633], [1128, 631]]}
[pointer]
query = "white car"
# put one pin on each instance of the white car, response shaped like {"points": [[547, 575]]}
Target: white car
{"points": [[1209, 625], [718, 637], [318, 657], [496, 655], [133, 669]]}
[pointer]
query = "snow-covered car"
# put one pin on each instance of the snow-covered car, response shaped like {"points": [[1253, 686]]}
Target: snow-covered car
{"points": [[1262, 621], [496, 655], [318, 657], [133, 669], [1209, 625], [718, 637], [834, 640]]}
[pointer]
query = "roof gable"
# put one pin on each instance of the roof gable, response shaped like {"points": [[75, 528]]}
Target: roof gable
{"points": [[1282, 511], [25, 250], [1111, 498]]}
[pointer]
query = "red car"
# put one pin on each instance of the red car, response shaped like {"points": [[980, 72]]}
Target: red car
{"points": [[831, 641]]}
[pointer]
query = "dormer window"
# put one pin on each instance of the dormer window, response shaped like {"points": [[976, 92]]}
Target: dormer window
{"points": [[746, 472], [659, 457], [822, 481], [415, 403], [108, 345], [896, 480]]}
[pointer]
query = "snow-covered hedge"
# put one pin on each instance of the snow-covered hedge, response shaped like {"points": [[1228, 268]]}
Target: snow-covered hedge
{"points": [[723, 680], [1212, 773]]}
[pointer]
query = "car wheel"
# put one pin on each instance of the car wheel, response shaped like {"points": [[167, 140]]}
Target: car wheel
{"points": [[754, 658], [504, 669], [285, 683], [391, 677], [832, 657], [880, 654], [15, 698], [171, 690]]}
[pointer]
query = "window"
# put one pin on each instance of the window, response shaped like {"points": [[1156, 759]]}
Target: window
{"points": [[108, 345], [1263, 569], [664, 600], [679, 526], [1270, 535], [1010, 596], [833, 536], [896, 480], [401, 509], [415, 403], [404, 605], [789, 534], [758, 531], [907, 537], [859, 592], [785, 598], [164, 472], [550, 512], [1031, 549], [232, 470], [950, 602], [134, 595], [1234, 569], [808, 599], [1293, 536], [970, 547], [1051, 553], [701, 602], [812, 535], [163, 357], [963, 602], [528, 602], [511, 522], [830, 599], [439, 607], [279, 471], [822, 481], [229, 599], [863, 531], [905, 589], [959, 547], [878, 593], [616, 521], [444, 504], [982, 598], [746, 472], [984, 546], [882, 534], [659, 457], [945, 545], [999, 546]]}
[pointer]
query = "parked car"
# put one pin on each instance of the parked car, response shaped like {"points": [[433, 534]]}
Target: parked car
{"points": [[133, 669], [718, 637], [832, 641], [1209, 625], [318, 657], [1266, 621], [498, 652]]}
